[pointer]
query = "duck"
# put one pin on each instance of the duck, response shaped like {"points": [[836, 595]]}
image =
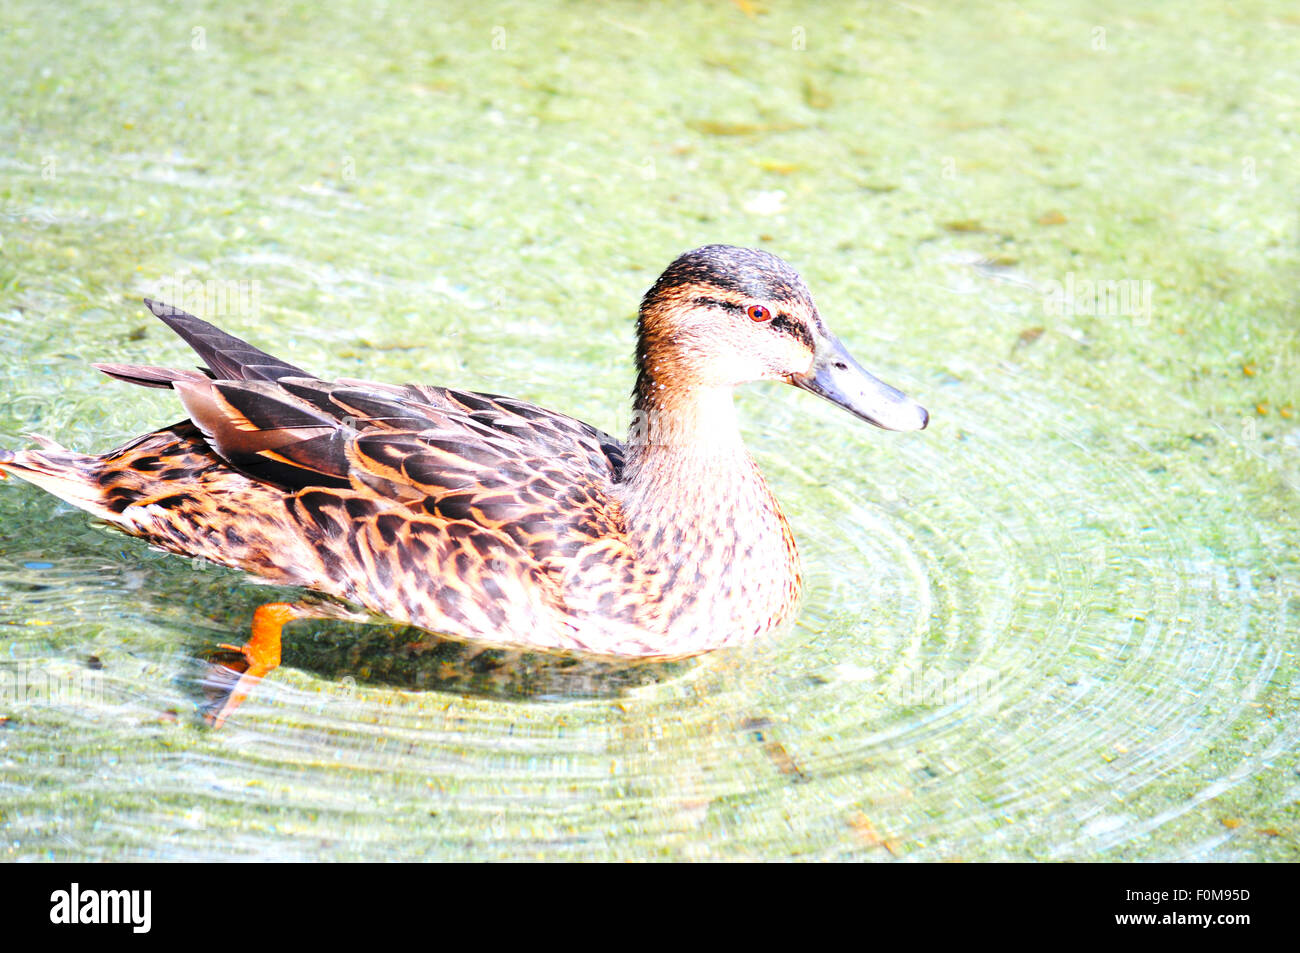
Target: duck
{"points": [[484, 518]]}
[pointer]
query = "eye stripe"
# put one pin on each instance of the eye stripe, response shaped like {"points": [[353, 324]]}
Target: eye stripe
{"points": [[716, 303], [783, 323], [777, 321]]}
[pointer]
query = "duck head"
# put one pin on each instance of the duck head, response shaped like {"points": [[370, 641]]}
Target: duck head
{"points": [[721, 316]]}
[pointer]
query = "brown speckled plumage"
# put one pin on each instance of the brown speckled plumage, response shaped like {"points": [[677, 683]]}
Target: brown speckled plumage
{"points": [[482, 517]]}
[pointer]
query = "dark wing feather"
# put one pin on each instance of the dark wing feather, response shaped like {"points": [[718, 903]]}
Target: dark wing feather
{"points": [[544, 429], [227, 356], [148, 376]]}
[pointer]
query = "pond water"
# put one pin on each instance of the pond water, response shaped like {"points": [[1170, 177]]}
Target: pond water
{"points": [[1060, 624]]}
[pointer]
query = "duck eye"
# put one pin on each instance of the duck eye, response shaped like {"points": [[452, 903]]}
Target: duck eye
{"points": [[757, 312]]}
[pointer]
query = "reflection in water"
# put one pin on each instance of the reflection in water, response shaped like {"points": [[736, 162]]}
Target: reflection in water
{"points": [[406, 658]]}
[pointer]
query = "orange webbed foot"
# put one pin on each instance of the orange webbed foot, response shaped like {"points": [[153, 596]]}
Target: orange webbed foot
{"points": [[235, 670]]}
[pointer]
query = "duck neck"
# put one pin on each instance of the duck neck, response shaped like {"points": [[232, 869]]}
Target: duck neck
{"points": [[690, 489], [700, 513], [681, 434]]}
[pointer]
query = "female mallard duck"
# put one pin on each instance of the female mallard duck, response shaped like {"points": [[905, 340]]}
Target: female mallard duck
{"points": [[486, 518]]}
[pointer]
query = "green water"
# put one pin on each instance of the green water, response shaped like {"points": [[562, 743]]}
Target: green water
{"points": [[1061, 624]]}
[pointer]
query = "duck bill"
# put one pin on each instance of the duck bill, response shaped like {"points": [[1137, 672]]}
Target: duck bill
{"points": [[836, 376]]}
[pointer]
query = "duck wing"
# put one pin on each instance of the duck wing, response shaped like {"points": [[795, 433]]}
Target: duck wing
{"points": [[268, 416], [419, 502], [225, 355], [546, 481]]}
